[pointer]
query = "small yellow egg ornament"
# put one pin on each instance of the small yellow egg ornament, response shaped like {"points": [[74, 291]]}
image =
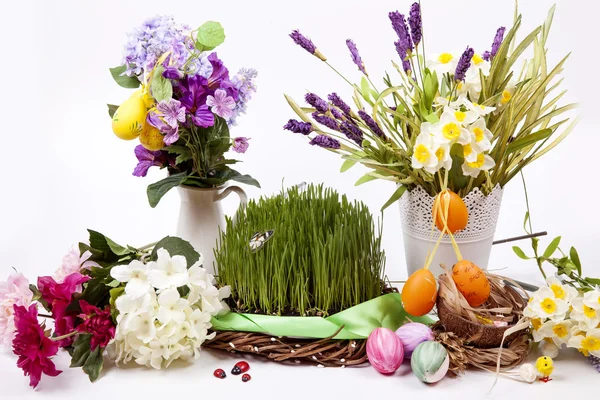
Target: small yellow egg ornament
{"points": [[130, 118], [151, 138], [545, 367]]}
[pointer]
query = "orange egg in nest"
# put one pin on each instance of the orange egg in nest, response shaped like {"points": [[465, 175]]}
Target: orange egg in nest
{"points": [[471, 282], [457, 214], [419, 293]]}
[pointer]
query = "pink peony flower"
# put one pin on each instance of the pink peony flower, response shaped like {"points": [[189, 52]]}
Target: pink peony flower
{"points": [[72, 262], [59, 296], [32, 346], [14, 291], [98, 323]]}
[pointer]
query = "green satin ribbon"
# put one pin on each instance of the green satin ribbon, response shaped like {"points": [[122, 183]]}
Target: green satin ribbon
{"points": [[358, 321]]}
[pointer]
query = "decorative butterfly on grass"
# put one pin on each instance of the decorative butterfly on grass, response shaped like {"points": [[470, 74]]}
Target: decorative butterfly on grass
{"points": [[259, 239]]}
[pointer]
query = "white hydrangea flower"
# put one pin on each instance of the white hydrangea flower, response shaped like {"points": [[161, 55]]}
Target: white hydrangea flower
{"points": [[135, 274], [168, 271]]}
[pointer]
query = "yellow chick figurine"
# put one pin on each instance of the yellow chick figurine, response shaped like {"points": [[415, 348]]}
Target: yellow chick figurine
{"points": [[545, 366]]}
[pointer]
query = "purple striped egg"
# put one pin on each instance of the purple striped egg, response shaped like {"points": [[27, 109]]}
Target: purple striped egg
{"points": [[385, 350], [412, 335]]}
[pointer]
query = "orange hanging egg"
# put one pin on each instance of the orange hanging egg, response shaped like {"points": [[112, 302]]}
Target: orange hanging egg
{"points": [[419, 293], [471, 282], [457, 215]]}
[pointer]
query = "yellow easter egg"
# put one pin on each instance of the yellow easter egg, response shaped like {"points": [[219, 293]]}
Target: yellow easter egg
{"points": [[151, 138], [130, 118]]}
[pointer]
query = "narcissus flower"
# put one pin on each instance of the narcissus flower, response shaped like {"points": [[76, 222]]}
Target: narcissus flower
{"points": [[587, 343], [544, 304]]}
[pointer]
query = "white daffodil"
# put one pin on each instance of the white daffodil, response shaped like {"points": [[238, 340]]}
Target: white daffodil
{"points": [[558, 332], [482, 163], [443, 63], [445, 101], [443, 155], [536, 324], [563, 292], [167, 271], [135, 274], [587, 317], [592, 299], [171, 306], [479, 64], [450, 130], [543, 304], [586, 342], [478, 108], [481, 136], [470, 153], [424, 150], [462, 117]]}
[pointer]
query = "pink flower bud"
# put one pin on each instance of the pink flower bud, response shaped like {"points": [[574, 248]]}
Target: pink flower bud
{"points": [[385, 350], [412, 335]]}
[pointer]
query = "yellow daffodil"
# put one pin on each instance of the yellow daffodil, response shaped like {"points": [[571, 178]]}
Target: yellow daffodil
{"points": [[586, 342], [557, 332], [443, 63], [482, 163], [544, 304]]}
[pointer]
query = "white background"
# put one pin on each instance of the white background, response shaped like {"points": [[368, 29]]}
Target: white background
{"points": [[65, 171]]}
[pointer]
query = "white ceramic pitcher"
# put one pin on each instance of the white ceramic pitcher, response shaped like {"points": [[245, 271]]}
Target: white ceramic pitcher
{"points": [[201, 218]]}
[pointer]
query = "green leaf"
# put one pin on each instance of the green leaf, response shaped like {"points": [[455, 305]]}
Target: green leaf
{"points": [[534, 243], [157, 190], [114, 295], [114, 283], [432, 118], [37, 296], [161, 87], [94, 363], [183, 153], [117, 248], [456, 175], [177, 246], [112, 109], [245, 179], [81, 350], [365, 90], [128, 82], [520, 253], [397, 194], [347, 165], [111, 251], [365, 178], [575, 258], [525, 223], [210, 35], [552, 247], [593, 281], [528, 140]]}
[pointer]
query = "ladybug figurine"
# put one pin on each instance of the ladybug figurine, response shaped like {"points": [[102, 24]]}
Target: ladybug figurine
{"points": [[246, 377], [219, 373], [240, 368]]}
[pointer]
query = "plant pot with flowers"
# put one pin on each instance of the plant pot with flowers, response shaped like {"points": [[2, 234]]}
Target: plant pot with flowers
{"points": [[450, 131], [183, 106]]}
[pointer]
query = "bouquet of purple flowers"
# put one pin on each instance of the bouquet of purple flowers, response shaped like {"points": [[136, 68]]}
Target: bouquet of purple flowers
{"points": [[183, 107]]}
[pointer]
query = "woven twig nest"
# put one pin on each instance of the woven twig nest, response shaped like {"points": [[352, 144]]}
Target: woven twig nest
{"points": [[469, 334]]}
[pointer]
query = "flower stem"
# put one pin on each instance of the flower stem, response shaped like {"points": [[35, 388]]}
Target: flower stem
{"points": [[68, 335], [146, 247], [45, 315], [337, 72], [538, 259]]}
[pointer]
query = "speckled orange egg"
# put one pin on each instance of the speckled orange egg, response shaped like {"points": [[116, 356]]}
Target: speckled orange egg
{"points": [[457, 216], [419, 293], [471, 282]]}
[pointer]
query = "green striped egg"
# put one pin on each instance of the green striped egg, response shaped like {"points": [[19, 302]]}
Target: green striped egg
{"points": [[430, 362]]}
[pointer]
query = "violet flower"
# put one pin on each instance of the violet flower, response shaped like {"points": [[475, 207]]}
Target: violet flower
{"points": [[416, 23], [318, 103], [221, 104], [307, 44], [371, 124], [497, 41], [355, 56], [147, 159], [339, 103], [171, 111], [463, 64], [399, 25], [326, 121], [352, 132], [171, 132], [172, 73], [404, 57], [326, 142], [240, 144], [298, 127], [203, 117]]}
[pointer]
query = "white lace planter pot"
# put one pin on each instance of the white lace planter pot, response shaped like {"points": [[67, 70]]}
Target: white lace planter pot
{"points": [[475, 241]]}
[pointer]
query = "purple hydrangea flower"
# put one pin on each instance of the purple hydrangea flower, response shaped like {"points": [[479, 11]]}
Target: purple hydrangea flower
{"points": [[240, 144], [497, 41], [463, 64], [404, 57], [399, 25], [416, 24], [352, 132], [298, 127], [243, 81], [326, 121], [171, 111], [325, 142], [221, 104], [355, 56], [339, 103], [147, 159], [371, 124], [318, 103]]}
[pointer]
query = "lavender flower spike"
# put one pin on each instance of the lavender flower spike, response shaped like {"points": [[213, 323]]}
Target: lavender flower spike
{"points": [[497, 41], [306, 44], [355, 56], [416, 23], [352, 132], [486, 55], [298, 127], [326, 142], [326, 121], [463, 64], [372, 124], [339, 103], [595, 361], [318, 103], [404, 57], [399, 25]]}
